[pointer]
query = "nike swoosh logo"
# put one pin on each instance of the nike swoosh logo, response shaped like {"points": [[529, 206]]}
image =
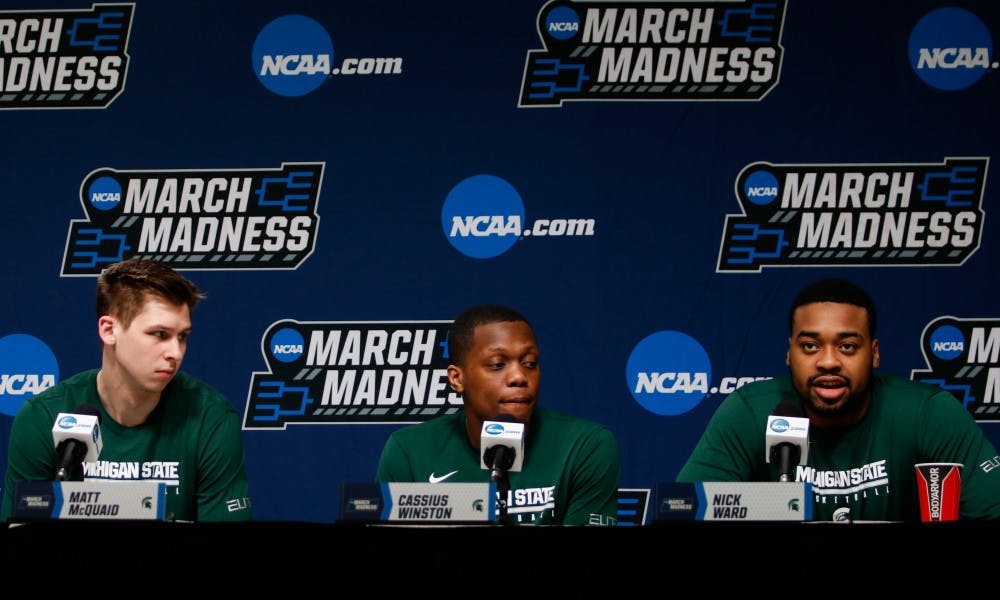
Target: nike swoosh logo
{"points": [[435, 479]]}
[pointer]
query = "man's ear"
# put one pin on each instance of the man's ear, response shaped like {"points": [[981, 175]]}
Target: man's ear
{"points": [[106, 330], [875, 355], [455, 378]]}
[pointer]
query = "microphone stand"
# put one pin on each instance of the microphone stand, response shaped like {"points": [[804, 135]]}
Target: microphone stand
{"points": [[499, 459], [499, 477], [788, 455], [70, 453]]}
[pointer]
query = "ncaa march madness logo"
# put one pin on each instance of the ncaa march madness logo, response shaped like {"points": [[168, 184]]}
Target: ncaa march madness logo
{"points": [[64, 58], [242, 219], [964, 359], [853, 215], [351, 372], [704, 51]]}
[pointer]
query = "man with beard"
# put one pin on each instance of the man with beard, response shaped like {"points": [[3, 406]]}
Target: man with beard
{"points": [[866, 430]]}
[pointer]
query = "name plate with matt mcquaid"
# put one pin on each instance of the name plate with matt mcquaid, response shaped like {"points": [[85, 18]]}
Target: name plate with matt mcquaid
{"points": [[418, 502], [735, 501], [124, 500]]}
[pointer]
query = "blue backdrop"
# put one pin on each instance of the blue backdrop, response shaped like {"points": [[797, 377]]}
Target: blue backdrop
{"points": [[648, 182]]}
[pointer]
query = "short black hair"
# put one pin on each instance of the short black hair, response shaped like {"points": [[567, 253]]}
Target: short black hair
{"points": [[463, 330], [838, 290]]}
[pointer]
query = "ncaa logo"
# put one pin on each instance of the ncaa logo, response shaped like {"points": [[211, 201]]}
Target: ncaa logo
{"points": [[67, 422], [950, 49], [761, 187], [779, 426], [947, 342], [482, 216], [494, 429], [668, 373], [27, 367], [287, 345], [105, 193], [292, 55], [562, 23]]}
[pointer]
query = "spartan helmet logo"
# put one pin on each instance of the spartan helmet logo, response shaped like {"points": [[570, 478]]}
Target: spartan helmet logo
{"points": [[147, 502], [477, 505], [793, 505], [842, 514]]}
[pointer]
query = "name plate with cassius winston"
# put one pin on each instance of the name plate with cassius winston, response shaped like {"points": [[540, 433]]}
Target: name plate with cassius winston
{"points": [[418, 502]]}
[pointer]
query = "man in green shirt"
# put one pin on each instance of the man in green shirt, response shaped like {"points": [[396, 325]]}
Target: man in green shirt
{"points": [[866, 430], [571, 466], [157, 423]]}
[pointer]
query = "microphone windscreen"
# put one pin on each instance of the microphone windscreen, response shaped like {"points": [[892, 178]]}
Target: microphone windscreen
{"points": [[83, 425], [504, 430], [787, 425]]}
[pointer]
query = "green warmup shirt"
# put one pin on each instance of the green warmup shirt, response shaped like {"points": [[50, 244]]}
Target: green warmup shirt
{"points": [[192, 442], [569, 475], [863, 472]]}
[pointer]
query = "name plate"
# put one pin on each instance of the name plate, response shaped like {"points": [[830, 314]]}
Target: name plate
{"points": [[735, 501], [418, 502], [125, 500]]}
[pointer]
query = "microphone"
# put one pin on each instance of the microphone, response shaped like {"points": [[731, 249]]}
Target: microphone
{"points": [[501, 443], [77, 437], [787, 436], [501, 446]]}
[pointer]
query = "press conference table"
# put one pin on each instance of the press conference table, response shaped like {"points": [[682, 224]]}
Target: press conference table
{"points": [[345, 556]]}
